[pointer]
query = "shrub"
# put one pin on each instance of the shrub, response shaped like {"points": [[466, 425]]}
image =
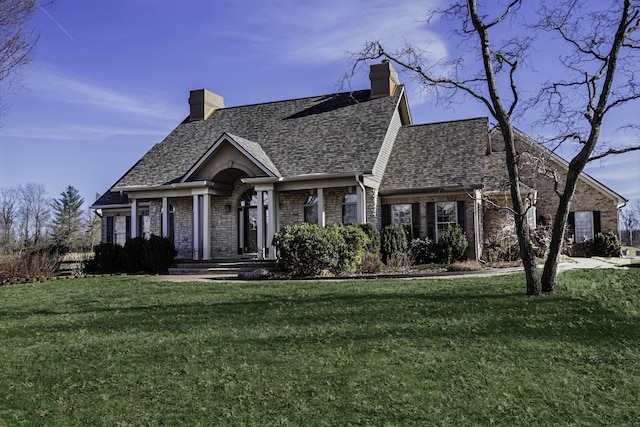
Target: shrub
{"points": [[452, 244], [133, 255], [308, 250], [371, 263], [305, 250], [107, 259], [467, 265], [423, 251], [154, 255], [158, 254], [394, 245], [373, 234], [350, 252], [604, 244]]}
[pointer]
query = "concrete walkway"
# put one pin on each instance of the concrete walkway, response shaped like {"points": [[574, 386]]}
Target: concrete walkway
{"points": [[583, 263], [573, 263]]}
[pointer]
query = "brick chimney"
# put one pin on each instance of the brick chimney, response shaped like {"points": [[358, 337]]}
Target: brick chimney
{"points": [[384, 79], [203, 103]]}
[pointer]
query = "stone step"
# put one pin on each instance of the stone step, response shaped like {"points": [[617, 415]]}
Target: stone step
{"points": [[219, 268]]}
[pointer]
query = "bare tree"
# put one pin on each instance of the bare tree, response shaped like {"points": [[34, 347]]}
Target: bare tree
{"points": [[8, 219], [485, 84], [630, 218], [600, 70], [17, 38], [601, 77], [34, 212]]}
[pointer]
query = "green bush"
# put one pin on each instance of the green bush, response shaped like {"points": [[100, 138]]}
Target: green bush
{"points": [[350, 252], [423, 251], [107, 259], [373, 234], [308, 250], [452, 244], [604, 245], [158, 254], [305, 250], [154, 255], [133, 255], [394, 245]]}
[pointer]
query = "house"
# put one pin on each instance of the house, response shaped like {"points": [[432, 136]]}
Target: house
{"points": [[226, 179]]}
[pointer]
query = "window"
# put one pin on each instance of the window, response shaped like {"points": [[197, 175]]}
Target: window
{"points": [[446, 215], [144, 225], [172, 223], [350, 209], [401, 214], [583, 226], [120, 230], [311, 210]]}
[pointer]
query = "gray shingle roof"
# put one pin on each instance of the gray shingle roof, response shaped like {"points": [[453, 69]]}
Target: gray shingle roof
{"points": [[323, 134], [254, 149], [438, 156]]}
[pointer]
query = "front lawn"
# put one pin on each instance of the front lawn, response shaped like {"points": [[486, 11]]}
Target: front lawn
{"points": [[130, 351]]}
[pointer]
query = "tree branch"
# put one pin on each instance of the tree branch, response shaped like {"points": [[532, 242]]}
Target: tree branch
{"points": [[613, 151]]}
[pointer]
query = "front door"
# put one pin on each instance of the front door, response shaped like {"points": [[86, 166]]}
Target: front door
{"points": [[248, 230], [248, 222]]}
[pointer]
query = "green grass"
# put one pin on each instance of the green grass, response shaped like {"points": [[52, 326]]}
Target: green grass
{"points": [[130, 351]]}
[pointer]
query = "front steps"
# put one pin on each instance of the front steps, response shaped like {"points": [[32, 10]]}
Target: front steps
{"points": [[220, 268]]}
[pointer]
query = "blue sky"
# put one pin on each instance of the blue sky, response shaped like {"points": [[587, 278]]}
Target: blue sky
{"points": [[111, 78]]}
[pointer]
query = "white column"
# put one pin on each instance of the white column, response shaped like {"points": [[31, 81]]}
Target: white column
{"points": [[271, 225], [321, 214], [261, 229], [196, 227], [134, 218], [361, 205], [165, 217], [206, 227]]}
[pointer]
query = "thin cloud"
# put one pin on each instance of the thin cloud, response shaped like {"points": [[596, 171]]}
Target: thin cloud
{"points": [[80, 133], [68, 89], [57, 24], [322, 32]]}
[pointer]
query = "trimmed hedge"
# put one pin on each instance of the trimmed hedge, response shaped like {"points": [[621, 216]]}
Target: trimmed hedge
{"points": [[308, 250], [154, 256]]}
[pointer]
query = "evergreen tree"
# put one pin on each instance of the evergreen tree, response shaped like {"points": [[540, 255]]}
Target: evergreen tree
{"points": [[67, 218]]}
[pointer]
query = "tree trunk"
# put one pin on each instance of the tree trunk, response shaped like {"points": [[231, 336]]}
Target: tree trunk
{"points": [[550, 271], [520, 213]]}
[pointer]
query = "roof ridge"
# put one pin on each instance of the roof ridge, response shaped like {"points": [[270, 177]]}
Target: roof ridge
{"points": [[448, 121], [295, 99]]}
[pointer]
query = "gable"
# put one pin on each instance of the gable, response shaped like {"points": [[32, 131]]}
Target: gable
{"points": [[232, 152], [543, 158], [437, 156]]}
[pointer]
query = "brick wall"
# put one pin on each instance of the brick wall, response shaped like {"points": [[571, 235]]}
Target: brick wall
{"points": [[536, 168], [423, 199]]}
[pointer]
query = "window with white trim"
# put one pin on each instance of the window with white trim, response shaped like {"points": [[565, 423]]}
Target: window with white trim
{"points": [[311, 210], [120, 230], [145, 226], [583, 226], [402, 214], [350, 209], [446, 215]]}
